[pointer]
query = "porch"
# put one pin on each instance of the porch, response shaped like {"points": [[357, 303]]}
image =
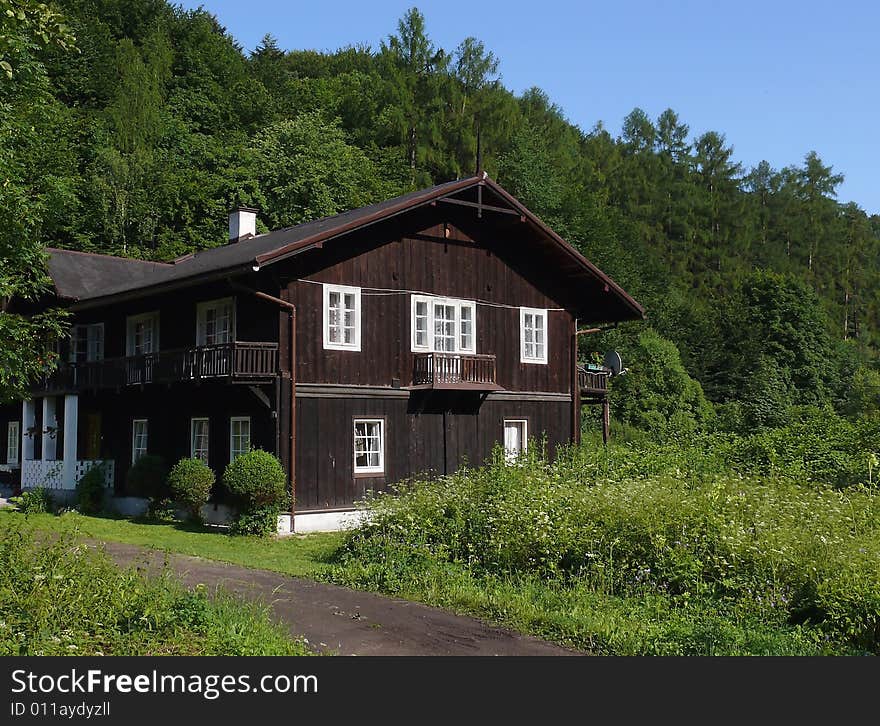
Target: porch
{"points": [[237, 361]]}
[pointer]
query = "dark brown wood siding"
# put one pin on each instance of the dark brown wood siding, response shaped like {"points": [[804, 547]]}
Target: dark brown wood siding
{"points": [[169, 411], [389, 264], [425, 435]]}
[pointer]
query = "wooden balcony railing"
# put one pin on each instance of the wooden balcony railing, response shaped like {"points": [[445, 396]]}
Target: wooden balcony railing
{"points": [[455, 371], [238, 360], [593, 382]]}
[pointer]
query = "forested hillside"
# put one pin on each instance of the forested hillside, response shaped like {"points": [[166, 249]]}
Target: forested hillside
{"points": [[139, 141]]}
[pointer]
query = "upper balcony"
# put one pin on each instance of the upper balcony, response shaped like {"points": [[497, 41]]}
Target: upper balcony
{"points": [[455, 371], [593, 382], [236, 362]]}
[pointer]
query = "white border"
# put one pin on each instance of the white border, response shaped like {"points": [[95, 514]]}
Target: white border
{"points": [[250, 433], [146, 423], [129, 339], [343, 289], [203, 306], [192, 438], [522, 334], [368, 469]]}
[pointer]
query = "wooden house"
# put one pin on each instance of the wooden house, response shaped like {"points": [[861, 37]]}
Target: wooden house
{"points": [[399, 339]]}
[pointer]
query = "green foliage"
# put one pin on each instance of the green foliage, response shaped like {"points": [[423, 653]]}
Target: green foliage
{"points": [[90, 490], [657, 393], [34, 501], [308, 170], [258, 483], [258, 522], [148, 477], [190, 482], [748, 564], [59, 597]]}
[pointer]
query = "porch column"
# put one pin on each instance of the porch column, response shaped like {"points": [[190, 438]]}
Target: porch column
{"points": [[71, 423], [50, 421], [28, 419]]}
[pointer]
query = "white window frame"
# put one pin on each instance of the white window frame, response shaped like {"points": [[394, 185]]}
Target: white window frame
{"points": [[86, 328], [510, 456], [131, 321], [134, 433], [233, 420], [202, 323], [194, 451], [535, 312], [380, 469], [13, 443], [343, 290], [430, 346]]}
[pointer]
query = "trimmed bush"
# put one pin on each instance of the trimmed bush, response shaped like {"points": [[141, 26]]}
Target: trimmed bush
{"points": [[258, 483], [90, 490], [256, 479], [148, 477], [35, 501], [190, 481]]}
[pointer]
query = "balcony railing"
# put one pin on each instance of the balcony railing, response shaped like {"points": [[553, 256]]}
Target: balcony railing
{"points": [[455, 371], [593, 382], [231, 361]]}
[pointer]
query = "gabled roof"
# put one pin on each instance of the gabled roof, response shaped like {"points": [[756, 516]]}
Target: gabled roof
{"points": [[105, 278]]}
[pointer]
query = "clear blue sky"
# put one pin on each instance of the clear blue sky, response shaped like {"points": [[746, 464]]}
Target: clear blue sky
{"points": [[778, 78]]}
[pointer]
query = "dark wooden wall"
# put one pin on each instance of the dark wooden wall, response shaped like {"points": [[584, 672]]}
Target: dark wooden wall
{"points": [[477, 267], [168, 411], [428, 434], [255, 320]]}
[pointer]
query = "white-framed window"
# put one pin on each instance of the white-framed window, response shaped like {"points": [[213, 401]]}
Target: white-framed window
{"points": [[342, 317], [13, 442], [199, 429], [215, 321], [138, 439], [443, 325], [533, 335], [516, 438], [369, 446], [87, 342], [142, 334], [239, 436]]}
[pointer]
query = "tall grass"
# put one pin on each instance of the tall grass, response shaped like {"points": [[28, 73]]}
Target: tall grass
{"points": [[636, 550], [58, 597]]}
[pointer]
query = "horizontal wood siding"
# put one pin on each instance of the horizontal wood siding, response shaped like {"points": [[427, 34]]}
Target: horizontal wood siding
{"points": [[427, 435]]}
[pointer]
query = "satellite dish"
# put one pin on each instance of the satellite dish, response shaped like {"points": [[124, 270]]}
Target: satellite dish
{"points": [[613, 362]]}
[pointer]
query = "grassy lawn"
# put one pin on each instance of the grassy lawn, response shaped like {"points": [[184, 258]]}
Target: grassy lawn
{"points": [[303, 556], [59, 597]]}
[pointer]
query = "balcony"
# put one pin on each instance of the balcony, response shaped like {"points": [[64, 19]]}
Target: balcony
{"points": [[238, 361], [450, 371], [593, 382]]}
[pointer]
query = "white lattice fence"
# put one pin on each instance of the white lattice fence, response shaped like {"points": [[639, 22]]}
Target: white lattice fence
{"points": [[50, 474], [46, 474], [109, 469]]}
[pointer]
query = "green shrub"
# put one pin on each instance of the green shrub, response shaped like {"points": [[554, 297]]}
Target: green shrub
{"points": [[34, 501], [259, 522], [90, 490], [148, 477], [258, 483], [190, 481], [256, 479], [640, 524]]}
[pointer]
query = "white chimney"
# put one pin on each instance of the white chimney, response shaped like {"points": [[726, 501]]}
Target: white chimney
{"points": [[242, 224]]}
